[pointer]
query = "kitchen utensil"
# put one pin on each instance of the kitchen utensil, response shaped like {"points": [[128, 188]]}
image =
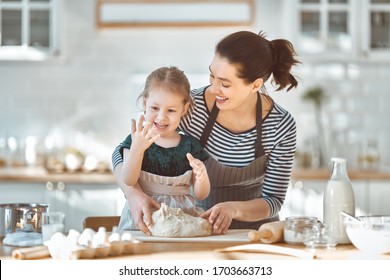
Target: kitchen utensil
{"points": [[259, 248], [294, 228], [371, 234], [268, 233], [31, 253], [232, 235], [14, 216], [318, 237], [52, 222], [350, 217]]}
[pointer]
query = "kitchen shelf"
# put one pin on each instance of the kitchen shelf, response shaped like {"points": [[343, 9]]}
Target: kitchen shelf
{"points": [[324, 174], [41, 175]]}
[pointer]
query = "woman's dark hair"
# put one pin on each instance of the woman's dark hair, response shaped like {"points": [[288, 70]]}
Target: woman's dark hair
{"points": [[256, 57]]}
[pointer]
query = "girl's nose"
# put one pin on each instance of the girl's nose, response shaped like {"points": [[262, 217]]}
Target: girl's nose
{"points": [[161, 115]]}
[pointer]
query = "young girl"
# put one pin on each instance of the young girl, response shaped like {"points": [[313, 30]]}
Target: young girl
{"points": [[158, 161]]}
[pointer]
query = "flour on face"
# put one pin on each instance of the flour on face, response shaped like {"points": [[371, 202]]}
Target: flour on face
{"points": [[173, 222]]}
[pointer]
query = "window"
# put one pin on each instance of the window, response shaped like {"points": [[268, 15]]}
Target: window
{"points": [[28, 29], [325, 25]]}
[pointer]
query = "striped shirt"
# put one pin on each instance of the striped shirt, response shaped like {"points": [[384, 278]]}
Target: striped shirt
{"points": [[237, 149]]}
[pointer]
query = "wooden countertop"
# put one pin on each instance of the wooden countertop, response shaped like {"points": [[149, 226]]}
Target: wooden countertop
{"points": [[210, 251]]}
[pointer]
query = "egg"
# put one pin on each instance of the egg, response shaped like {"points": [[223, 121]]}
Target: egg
{"points": [[86, 237]]}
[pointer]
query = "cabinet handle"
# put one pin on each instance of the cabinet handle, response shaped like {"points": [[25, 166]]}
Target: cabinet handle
{"points": [[49, 186], [61, 186]]}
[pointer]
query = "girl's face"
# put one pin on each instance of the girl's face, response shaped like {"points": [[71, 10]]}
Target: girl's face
{"points": [[231, 92], [164, 109]]}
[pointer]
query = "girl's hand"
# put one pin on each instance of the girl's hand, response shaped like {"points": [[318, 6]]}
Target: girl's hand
{"points": [[141, 207], [198, 168], [200, 178], [142, 136], [220, 216]]}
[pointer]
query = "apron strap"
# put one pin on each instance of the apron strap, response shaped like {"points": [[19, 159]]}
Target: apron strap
{"points": [[209, 125], [259, 150]]}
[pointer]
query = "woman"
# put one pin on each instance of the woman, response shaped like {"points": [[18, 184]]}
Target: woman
{"points": [[251, 139]]}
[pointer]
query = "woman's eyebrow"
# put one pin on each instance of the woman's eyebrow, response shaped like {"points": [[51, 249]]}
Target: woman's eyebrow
{"points": [[222, 79]]}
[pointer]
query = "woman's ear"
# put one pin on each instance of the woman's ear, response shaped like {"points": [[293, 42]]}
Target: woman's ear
{"points": [[257, 84]]}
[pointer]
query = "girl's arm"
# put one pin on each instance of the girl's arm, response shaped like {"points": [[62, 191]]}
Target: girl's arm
{"points": [[141, 139], [199, 177]]}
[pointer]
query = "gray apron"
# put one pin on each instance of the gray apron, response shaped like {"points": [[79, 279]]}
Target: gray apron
{"points": [[175, 191], [229, 183]]}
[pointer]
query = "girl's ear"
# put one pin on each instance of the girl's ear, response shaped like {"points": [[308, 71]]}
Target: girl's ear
{"points": [[185, 109], [144, 103], [257, 84]]}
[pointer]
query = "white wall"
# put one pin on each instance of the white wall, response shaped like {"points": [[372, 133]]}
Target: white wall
{"points": [[87, 95]]}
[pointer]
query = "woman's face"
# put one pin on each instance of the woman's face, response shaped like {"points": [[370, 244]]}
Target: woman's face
{"points": [[164, 110], [231, 92]]}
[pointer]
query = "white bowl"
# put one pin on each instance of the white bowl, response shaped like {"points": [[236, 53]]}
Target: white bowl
{"points": [[371, 235]]}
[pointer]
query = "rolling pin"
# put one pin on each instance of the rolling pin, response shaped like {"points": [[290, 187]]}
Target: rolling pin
{"points": [[31, 253], [268, 233]]}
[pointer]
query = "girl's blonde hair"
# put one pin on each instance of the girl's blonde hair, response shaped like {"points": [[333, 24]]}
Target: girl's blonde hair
{"points": [[170, 78]]}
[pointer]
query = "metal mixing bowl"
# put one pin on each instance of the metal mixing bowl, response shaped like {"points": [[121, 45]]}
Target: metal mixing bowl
{"points": [[15, 216], [371, 234]]}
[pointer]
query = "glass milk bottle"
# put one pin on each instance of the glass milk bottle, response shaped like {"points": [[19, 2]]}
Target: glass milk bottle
{"points": [[338, 197]]}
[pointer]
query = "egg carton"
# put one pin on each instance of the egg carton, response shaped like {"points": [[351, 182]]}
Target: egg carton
{"points": [[90, 244], [116, 248]]}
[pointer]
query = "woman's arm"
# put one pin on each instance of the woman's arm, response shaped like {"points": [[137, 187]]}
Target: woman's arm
{"points": [[222, 214], [140, 204]]}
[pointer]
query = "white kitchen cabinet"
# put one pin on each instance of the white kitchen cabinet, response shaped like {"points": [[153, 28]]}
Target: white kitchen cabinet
{"points": [[379, 196], [29, 29], [341, 29], [11, 192], [305, 198], [78, 201]]}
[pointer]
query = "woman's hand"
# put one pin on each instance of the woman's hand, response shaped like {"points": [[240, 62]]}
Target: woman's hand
{"points": [[220, 216], [142, 136], [141, 207]]}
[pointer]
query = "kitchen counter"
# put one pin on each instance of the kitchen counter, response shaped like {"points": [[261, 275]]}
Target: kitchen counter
{"points": [[210, 251], [220, 247]]}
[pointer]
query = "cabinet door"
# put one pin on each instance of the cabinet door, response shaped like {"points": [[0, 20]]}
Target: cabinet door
{"points": [[11, 192], [325, 26], [376, 33], [79, 201], [305, 198], [379, 195]]}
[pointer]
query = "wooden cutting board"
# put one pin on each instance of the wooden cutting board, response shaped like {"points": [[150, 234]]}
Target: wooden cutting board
{"points": [[232, 235]]}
